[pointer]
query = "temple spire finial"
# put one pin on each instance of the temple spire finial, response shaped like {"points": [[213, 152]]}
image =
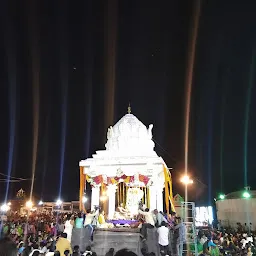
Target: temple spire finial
{"points": [[129, 108]]}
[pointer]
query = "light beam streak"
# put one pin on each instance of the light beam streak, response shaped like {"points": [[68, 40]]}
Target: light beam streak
{"points": [[189, 81], [35, 67], [63, 128], [10, 49], [189, 76], [247, 118], [222, 130], [110, 60], [62, 26], [45, 152], [89, 74]]}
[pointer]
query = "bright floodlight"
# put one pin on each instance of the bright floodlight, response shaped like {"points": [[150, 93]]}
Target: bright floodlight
{"points": [[58, 202], [41, 203], [186, 180], [246, 194], [84, 199], [221, 196], [5, 208], [29, 204]]}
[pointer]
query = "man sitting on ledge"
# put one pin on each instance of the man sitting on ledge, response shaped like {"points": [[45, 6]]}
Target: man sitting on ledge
{"points": [[149, 223]]}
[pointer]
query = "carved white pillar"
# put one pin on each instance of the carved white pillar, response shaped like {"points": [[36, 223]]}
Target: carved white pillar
{"points": [[159, 198], [95, 199], [152, 198], [111, 192]]}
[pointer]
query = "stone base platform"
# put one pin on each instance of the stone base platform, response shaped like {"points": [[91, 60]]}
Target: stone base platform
{"points": [[104, 240], [117, 238]]}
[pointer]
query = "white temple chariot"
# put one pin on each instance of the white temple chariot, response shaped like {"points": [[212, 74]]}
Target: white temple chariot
{"points": [[128, 170]]}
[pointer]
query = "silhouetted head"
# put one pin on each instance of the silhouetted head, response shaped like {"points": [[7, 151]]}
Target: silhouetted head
{"points": [[64, 235], [7, 247], [125, 252]]}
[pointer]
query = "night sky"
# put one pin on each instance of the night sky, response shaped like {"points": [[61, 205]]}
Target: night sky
{"points": [[71, 68]]}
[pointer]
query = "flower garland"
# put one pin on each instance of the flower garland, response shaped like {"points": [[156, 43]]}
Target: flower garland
{"points": [[94, 181]]}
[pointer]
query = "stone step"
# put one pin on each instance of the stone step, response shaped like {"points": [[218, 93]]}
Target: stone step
{"points": [[115, 244]]}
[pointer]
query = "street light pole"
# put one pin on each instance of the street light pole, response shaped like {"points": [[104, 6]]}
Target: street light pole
{"points": [[186, 181]]}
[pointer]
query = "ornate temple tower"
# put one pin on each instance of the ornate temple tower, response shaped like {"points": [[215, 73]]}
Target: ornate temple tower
{"points": [[129, 161]]}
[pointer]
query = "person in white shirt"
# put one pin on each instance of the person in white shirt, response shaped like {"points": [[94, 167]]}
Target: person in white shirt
{"points": [[149, 223], [89, 219], [163, 238]]}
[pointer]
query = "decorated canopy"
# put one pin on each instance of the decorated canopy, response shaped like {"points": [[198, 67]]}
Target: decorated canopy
{"points": [[129, 156]]}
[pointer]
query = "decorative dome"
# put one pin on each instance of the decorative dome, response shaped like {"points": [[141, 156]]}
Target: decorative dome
{"points": [[130, 136]]}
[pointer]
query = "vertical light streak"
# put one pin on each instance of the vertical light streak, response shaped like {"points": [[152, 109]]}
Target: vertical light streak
{"points": [[64, 86], [35, 67], [89, 74], [45, 153], [12, 117], [10, 49], [189, 81], [189, 76], [110, 61], [247, 118], [209, 153], [222, 129], [222, 122]]}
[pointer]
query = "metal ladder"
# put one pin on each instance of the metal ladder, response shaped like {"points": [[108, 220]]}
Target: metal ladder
{"points": [[188, 213]]}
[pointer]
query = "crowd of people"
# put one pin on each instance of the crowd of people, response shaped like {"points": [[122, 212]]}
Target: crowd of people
{"points": [[41, 234], [227, 241], [50, 234], [9, 248]]}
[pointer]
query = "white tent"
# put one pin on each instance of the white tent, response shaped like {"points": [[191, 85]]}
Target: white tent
{"points": [[234, 208]]}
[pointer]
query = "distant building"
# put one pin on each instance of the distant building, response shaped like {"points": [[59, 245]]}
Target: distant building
{"points": [[237, 207], [72, 206]]}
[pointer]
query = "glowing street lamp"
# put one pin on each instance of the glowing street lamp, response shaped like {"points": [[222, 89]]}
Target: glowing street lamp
{"points": [[58, 202], [29, 204], [186, 180], [221, 196], [5, 208], [246, 194], [41, 202]]}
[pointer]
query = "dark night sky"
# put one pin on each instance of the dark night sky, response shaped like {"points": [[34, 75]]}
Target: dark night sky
{"points": [[42, 43]]}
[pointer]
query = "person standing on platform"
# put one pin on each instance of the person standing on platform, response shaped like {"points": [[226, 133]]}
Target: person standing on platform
{"points": [[163, 238], [159, 218], [181, 239], [149, 223], [79, 222], [90, 219]]}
